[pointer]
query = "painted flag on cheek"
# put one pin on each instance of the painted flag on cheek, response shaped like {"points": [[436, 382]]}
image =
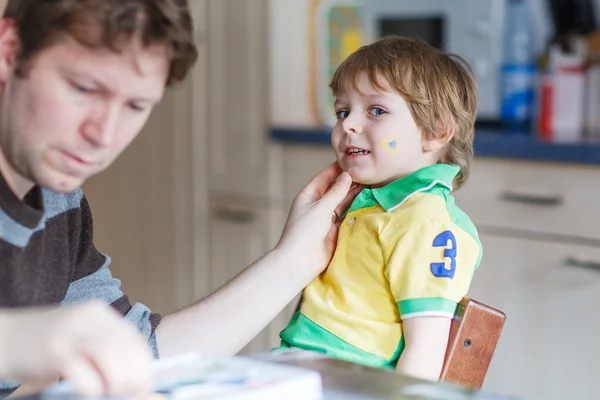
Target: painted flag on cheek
{"points": [[391, 146]]}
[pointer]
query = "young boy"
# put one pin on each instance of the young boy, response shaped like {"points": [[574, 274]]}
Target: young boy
{"points": [[406, 253]]}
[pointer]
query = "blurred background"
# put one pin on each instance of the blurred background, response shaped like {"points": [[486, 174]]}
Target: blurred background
{"points": [[205, 189]]}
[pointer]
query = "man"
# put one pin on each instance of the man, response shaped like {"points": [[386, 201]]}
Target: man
{"points": [[78, 80]]}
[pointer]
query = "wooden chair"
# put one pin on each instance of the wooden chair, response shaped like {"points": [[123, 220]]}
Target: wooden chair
{"points": [[474, 334]]}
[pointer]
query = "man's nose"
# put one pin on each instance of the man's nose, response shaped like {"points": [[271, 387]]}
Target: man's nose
{"points": [[101, 126]]}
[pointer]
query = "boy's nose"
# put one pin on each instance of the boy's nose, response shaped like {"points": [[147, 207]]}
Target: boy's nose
{"points": [[352, 126]]}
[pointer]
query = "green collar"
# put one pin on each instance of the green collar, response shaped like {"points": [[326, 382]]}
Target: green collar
{"points": [[432, 178]]}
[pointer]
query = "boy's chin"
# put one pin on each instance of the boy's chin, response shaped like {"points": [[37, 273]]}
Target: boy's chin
{"points": [[362, 175], [362, 179]]}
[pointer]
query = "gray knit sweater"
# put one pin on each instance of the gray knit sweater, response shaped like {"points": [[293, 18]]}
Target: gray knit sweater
{"points": [[47, 257]]}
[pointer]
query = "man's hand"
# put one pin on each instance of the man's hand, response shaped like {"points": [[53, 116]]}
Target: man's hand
{"points": [[90, 345], [310, 233]]}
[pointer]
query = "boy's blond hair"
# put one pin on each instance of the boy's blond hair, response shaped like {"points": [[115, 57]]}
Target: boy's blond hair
{"points": [[440, 90]]}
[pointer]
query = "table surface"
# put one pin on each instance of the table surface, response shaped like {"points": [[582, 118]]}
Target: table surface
{"points": [[348, 381]]}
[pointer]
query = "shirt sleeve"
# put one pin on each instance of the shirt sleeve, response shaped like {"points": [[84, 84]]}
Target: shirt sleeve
{"points": [[429, 268], [92, 279]]}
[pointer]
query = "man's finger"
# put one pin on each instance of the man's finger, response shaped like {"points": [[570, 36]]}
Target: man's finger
{"points": [[337, 193], [84, 377], [319, 184], [138, 375], [123, 378], [347, 202], [113, 373], [141, 381]]}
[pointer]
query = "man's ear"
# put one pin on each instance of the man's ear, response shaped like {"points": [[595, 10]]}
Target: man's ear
{"points": [[433, 144], [9, 46]]}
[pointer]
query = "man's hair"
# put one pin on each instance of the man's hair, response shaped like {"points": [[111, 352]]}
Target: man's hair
{"points": [[105, 24], [440, 90]]}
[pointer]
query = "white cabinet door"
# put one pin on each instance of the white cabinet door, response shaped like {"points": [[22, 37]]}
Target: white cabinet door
{"points": [[239, 235], [548, 348], [238, 95]]}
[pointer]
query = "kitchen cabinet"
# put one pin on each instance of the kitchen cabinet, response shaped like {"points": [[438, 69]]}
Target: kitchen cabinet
{"points": [[245, 216], [238, 237], [549, 293], [237, 62], [541, 266]]}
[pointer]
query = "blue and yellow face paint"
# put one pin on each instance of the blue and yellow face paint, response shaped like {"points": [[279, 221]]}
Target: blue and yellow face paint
{"points": [[391, 145]]}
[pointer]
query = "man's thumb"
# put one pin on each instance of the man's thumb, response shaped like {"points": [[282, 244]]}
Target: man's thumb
{"points": [[338, 191]]}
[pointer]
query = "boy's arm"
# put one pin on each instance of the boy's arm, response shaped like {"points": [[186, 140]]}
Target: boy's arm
{"points": [[426, 340], [429, 268]]}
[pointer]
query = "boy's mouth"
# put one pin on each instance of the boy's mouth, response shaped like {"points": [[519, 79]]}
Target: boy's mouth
{"points": [[357, 151]]}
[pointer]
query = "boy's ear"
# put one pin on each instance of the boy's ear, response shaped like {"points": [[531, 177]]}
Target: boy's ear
{"points": [[9, 47], [435, 143]]}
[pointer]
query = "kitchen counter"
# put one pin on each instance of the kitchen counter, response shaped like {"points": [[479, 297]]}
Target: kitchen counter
{"points": [[488, 143]]}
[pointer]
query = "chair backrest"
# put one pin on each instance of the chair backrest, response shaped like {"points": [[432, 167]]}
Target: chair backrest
{"points": [[474, 334]]}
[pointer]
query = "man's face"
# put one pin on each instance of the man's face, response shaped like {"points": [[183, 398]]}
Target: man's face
{"points": [[75, 112]]}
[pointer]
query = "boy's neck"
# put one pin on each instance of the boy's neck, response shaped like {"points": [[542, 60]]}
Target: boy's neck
{"points": [[398, 177]]}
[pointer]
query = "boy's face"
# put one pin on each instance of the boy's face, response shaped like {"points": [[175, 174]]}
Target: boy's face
{"points": [[76, 110], [376, 139]]}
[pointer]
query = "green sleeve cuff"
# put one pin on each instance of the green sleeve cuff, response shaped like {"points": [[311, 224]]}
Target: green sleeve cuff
{"points": [[427, 307]]}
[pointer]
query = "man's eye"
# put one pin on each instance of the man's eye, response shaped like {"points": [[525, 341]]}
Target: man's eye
{"points": [[82, 88], [376, 111], [342, 114], [136, 107]]}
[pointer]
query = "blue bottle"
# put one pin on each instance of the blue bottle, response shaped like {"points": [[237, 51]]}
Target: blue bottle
{"points": [[518, 67]]}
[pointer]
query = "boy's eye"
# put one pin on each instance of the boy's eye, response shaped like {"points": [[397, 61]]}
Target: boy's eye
{"points": [[376, 111], [342, 114]]}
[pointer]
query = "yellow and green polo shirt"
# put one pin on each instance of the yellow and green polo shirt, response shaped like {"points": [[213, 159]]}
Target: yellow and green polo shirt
{"points": [[404, 251]]}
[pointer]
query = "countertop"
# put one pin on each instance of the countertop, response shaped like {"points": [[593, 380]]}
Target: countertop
{"points": [[488, 143]]}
